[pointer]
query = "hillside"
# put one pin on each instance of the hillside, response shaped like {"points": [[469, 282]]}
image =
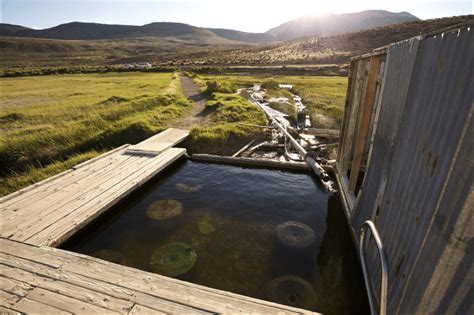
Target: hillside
{"points": [[10, 29], [243, 36], [204, 47], [336, 49], [17, 52], [96, 31], [331, 24], [321, 25]]}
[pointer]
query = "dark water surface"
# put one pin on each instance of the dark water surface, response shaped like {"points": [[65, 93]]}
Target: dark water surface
{"points": [[230, 222]]}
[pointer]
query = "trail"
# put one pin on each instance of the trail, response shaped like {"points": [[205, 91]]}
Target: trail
{"points": [[198, 115]]}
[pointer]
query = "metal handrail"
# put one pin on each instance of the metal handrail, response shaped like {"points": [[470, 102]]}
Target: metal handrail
{"points": [[383, 263]]}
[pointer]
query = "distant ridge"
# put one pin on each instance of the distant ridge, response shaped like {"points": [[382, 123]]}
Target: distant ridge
{"points": [[96, 31], [190, 46], [243, 36], [322, 25], [11, 30], [339, 48], [332, 24]]}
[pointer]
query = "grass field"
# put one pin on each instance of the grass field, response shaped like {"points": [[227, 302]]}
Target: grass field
{"points": [[49, 122], [228, 130], [323, 96]]}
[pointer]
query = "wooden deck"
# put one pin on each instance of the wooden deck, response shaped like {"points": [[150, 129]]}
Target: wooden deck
{"points": [[45, 279], [37, 278], [50, 212]]}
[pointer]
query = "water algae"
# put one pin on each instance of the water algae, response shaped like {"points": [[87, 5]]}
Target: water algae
{"points": [[187, 188], [164, 209], [293, 291], [295, 235], [204, 224], [173, 260]]}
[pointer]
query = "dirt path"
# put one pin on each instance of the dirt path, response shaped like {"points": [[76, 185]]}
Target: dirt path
{"points": [[198, 115]]}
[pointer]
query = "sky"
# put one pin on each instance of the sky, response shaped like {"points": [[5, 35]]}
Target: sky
{"points": [[244, 15]]}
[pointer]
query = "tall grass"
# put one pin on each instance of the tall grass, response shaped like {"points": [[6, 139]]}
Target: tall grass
{"points": [[48, 120], [227, 132], [322, 95], [34, 174]]}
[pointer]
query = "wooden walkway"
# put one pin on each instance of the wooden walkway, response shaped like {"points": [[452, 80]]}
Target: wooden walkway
{"points": [[50, 212], [49, 280], [37, 278]]}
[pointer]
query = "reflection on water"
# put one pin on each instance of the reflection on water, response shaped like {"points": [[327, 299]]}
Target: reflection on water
{"points": [[225, 235]]}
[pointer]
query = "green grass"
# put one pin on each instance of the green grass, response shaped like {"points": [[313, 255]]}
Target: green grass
{"points": [[227, 131], [323, 96], [288, 109], [33, 174], [49, 119]]}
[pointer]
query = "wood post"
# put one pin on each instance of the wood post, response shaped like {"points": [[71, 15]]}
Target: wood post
{"points": [[364, 121]]}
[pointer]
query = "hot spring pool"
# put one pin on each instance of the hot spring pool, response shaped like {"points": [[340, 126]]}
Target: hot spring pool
{"points": [[215, 225]]}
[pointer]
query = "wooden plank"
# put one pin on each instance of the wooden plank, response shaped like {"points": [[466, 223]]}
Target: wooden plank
{"points": [[7, 311], [85, 212], [399, 66], [61, 191], [378, 102], [28, 191], [347, 105], [376, 52], [14, 286], [17, 267], [364, 122], [171, 136], [66, 303], [143, 288], [348, 197], [184, 293], [45, 214], [353, 116], [8, 299], [32, 307], [246, 161], [94, 160], [27, 252], [245, 147], [159, 142], [18, 209], [330, 133], [74, 291], [167, 288], [140, 309]]}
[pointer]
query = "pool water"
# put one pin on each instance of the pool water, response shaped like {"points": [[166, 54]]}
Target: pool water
{"points": [[228, 221]]}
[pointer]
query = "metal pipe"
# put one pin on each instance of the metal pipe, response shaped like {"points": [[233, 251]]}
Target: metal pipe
{"points": [[318, 170], [365, 270]]}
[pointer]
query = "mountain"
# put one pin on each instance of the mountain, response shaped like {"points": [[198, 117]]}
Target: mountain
{"points": [[322, 25], [331, 24], [338, 49], [243, 36], [96, 31], [189, 46], [10, 29]]}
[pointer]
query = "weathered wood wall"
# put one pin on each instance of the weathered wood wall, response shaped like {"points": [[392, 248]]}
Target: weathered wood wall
{"points": [[417, 181]]}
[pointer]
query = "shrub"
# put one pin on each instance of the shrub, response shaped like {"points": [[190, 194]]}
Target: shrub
{"points": [[219, 86], [271, 84]]}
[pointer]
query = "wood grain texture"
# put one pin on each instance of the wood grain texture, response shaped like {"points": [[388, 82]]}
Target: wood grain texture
{"points": [[362, 132], [82, 284], [51, 211]]}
